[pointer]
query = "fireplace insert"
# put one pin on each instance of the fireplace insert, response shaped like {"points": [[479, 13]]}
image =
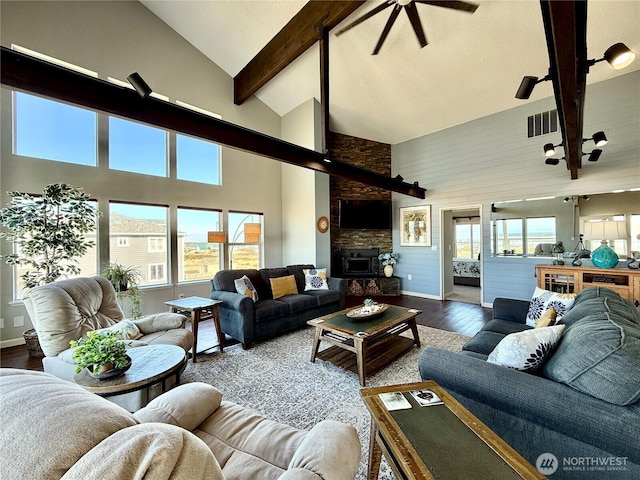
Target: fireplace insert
{"points": [[360, 262]]}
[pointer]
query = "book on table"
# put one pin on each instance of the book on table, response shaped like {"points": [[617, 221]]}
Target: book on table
{"points": [[426, 398]]}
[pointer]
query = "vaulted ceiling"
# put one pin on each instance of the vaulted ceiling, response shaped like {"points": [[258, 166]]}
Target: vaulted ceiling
{"points": [[471, 67]]}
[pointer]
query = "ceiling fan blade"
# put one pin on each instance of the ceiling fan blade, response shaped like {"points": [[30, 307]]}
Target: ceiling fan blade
{"points": [[454, 5], [366, 16], [414, 18], [387, 28]]}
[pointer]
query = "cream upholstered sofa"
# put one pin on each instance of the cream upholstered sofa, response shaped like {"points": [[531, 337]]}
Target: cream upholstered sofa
{"points": [[66, 310], [53, 429]]}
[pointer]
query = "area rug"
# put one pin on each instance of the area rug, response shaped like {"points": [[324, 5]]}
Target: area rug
{"points": [[276, 379]]}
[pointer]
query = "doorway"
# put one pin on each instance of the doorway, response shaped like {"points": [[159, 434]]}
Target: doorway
{"points": [[461, 259]]}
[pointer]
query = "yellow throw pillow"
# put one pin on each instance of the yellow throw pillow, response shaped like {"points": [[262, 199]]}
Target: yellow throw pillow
{"points": [[282, 286], [547, 319]]}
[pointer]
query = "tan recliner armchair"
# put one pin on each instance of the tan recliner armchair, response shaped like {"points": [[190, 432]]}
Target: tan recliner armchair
{"points": [[186, 433], [66, 310]]}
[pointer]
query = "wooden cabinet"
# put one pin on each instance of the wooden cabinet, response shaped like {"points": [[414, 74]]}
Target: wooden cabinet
{"points": [[568, 279], [373, 286]]}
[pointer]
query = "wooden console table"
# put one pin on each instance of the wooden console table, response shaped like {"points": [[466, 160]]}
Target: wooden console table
{"points": [[373, 286], [568, 279]]}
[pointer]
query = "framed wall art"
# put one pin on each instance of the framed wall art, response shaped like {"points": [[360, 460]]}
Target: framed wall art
{"points": [[415, 226]]}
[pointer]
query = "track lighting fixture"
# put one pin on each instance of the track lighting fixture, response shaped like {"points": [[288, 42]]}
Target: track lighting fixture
{"points": [[566, 199], [594, 155], [599, 138], [586, 198], [528, 84], [399, 178], [552, 161], [618, 55], [139, 84], [550, 149]]}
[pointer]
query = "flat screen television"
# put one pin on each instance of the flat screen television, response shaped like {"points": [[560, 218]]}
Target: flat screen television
{"points": [[365, 214]]}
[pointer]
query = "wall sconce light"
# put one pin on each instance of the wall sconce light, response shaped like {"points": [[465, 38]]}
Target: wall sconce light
{"points": [[137, 82], [618, 55], [216, 237]]}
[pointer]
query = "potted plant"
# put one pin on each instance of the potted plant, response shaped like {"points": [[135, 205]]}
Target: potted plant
{"points": [[104, 354], [49, 232], [388, 260], [125, 280]]}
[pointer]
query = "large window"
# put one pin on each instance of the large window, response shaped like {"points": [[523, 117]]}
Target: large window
{"points": [[467, 238], [520, 236], [145, 227], [245, 240], [54, 131], [137, 148], [508, 236], [197, 160], [198, 259]]}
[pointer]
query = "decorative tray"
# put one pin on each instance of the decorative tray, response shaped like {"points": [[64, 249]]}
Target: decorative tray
{"points": [[362, 313]]}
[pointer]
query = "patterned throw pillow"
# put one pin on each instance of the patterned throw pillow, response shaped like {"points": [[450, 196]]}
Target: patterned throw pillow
{"points": [[543, 299], [246, 288], [130, 330], [315, 279], [527, 350], [281, 286], [548, 318]]}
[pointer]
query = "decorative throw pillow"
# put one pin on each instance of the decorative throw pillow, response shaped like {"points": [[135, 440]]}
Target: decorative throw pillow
{"points": [[527, 350], [548, 318], [315, 279], [281, 286], [543, 299], [246, 288], [130, 330]]}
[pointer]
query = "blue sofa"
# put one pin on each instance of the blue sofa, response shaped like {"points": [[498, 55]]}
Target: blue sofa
{"points": [[583, 406], [246, 321]]}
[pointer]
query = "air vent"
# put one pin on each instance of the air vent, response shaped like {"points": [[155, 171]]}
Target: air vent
{"points": [[542, 123]]}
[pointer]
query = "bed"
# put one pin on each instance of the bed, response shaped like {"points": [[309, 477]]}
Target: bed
{"points": [[466, 271]]}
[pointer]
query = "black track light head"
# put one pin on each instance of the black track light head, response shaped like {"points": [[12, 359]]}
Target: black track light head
{"points": [[552, 161], [595, 155], [139, 84]]}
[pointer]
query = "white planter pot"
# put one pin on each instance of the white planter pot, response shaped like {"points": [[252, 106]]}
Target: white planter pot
{"points": [[388, 270]]}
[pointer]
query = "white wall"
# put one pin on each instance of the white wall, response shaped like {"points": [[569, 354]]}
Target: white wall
{"points": [[116, 39], [491, 160], [305, 193]]}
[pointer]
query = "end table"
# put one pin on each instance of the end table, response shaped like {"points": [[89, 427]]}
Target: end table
{"points": [[198, 309]]}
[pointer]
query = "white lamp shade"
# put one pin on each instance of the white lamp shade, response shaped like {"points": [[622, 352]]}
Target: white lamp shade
{"points": [[607, 230]]}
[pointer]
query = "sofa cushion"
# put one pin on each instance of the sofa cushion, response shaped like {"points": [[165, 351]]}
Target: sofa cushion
{"points": [[598, 355], [266, 274], [543, 299], [282, 286], [127, 328], [267, 310], [483, 342], [298, 272], [325, 297], [527, 350], [505, 327], [246, 288], [299, 302], [315, 279]]}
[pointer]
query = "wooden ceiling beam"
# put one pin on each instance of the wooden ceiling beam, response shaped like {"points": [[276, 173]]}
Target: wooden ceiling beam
{"points": [[565, 26], [29, 74], [296, 37]]}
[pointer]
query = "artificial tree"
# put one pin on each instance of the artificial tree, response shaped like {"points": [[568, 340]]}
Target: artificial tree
{"points": [[49, 232]]}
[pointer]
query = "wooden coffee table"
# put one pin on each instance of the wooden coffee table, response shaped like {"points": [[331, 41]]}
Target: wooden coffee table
{"points": [[150, 365], [364, 346], [443, 441]]}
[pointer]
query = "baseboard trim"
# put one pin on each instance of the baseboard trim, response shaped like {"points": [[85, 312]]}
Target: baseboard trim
{"points": [[421, 295], [14, 342]]}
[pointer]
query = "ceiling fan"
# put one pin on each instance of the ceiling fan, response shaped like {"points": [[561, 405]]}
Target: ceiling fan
{"points": [[412, 12]]}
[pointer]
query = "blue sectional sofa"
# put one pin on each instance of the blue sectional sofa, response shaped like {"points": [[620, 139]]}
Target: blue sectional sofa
{"points": [[582, 406], [247, 321]]}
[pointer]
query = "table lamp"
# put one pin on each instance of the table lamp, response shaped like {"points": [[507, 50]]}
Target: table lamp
{"points": [[604, 256]]}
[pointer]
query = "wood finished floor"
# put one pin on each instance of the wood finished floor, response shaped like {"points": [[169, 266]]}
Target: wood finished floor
{"points": [[464, 318]]}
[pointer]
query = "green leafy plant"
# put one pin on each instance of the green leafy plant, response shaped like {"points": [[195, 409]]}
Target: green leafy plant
{"points": [[125, 280], [101, 351], [49, 232]]}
